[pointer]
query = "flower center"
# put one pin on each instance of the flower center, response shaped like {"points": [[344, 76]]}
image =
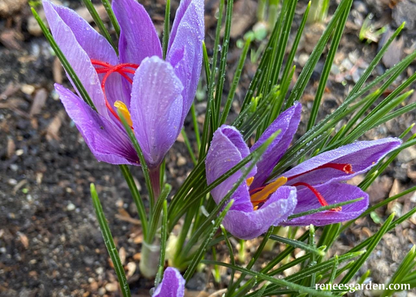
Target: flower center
{"points": [[124, 70], [260, 195]]}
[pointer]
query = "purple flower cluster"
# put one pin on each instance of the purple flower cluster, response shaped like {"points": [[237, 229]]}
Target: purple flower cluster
{"points": [[153, 94], [259, 203]]}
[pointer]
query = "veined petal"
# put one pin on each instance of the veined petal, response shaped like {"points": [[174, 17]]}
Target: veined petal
{"points": [[77, 57], [185, 47], [97, 48], [287, 122], [227, 149], [93, 43], [156, 108], [251, 224], [106, 141], [333, 193], [138, 36], [361, 155], [172, 285]]}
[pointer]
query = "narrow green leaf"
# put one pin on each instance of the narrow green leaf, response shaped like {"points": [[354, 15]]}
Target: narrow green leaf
{"points": [[109, 243], [234, 84], [143, 164], [163, 239], [327, 68], [323, 208], [195, 124], [373, 243], [111, 15], [201, 250], [208, 114], [280, 282], [307, 71], [223, 60], [141, 210], [298, 244], [155, 216], [103, 30], [166, 29], [188, 146]]}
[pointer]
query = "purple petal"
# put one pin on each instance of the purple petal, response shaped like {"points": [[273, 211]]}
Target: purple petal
{"points": [[138, 36], [156, 108], [287, 122], [185, 47], [251, 224], [172, 285], [361, 155], [106, 141], [227, 150], [92, 42], [333, 193], [97, 48], [76, 56]]}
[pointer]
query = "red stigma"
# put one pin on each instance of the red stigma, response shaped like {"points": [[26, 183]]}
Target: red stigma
{"points": [[122, 69], [346, 168], [318, 195]]}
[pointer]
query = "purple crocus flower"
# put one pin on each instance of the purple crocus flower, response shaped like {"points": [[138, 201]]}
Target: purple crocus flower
{"points": [[312, 184], [153, 94], [172, 285]]}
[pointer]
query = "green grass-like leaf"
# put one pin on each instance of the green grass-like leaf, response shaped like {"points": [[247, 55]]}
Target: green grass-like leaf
{"points": [[109, 243]]}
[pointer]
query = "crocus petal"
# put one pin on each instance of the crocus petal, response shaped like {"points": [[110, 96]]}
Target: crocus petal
{"points": [[93, 43], [251, 224], [361, 155], [227, 149], [333, 193], [287, 122], [75, 53], [138, 36], [185, 47], [106, 141], [172, 285], [156, 108]]}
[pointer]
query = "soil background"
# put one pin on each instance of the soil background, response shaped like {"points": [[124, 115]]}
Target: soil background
{"points": [[50, 242]]}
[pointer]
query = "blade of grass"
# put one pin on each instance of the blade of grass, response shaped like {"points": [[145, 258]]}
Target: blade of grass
{"points": [[280, 282], [109, 243], [307, 71], [111, 15], [166, 29], [141, 210], [202, 249], [223, 60], [164, 235], [97, 20], [371, 246], [234, 84], [143, 164], [327, 68]]}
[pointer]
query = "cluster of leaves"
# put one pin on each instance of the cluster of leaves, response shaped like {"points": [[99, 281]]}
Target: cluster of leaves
{"points": [[267, 96]]}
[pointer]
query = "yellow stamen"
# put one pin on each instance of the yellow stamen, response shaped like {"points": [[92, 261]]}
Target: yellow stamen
{"points": [[124, 111], [262, 195], [249, 181]]}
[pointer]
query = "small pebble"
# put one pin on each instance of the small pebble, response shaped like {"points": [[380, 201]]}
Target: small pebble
{"points": [[303, 58], [181, 161], [70, 207], [28, 89]]}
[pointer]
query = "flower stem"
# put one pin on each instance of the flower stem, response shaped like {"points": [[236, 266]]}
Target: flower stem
{"points": [[155, 181], [149, 262]]}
